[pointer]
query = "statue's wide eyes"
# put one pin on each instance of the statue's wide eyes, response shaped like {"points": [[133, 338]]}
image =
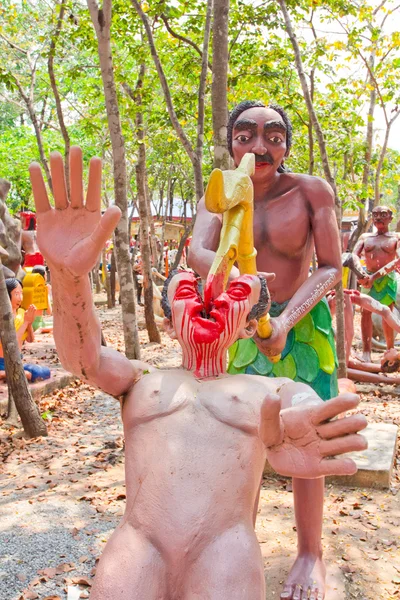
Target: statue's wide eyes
{"points": [[186, 291], [238, 291]]}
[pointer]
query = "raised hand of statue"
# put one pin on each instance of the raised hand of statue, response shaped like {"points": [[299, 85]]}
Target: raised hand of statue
{"points": [[29, 314], [72, 234], [308, 440]]}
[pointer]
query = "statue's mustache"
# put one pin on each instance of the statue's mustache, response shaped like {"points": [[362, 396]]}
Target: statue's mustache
{"points": [[265, 158]]}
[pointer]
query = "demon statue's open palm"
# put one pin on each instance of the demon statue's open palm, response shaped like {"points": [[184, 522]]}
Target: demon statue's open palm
{"points": [[72, 234]]}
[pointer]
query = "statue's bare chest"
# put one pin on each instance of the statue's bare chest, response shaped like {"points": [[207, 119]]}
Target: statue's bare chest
{"points": [[282, 225], [378, 244], [233, 401]]}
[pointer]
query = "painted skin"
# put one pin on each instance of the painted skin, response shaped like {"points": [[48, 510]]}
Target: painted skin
{"points": [[293, 213], [195, 446]]}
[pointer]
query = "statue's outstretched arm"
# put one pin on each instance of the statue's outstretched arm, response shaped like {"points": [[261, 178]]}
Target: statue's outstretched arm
{"points": [[303, 441], [71, 236]]}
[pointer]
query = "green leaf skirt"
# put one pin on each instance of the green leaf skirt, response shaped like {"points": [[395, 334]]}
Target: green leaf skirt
{"points": [[309, 355], [383, 289]]}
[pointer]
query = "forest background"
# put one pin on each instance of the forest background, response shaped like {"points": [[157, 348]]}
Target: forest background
{"points": [[52, 94]]}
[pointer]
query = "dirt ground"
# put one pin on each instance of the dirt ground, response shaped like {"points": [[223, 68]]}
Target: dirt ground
{"points": [[66, 494]]}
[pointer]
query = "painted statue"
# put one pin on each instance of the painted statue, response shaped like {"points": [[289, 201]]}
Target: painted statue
{"points": [[196, 438], [23, 320], [293, 214], [381, 253]]}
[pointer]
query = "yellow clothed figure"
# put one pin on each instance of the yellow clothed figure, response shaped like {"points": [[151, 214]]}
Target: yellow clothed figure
{"points": [[18, 321]]}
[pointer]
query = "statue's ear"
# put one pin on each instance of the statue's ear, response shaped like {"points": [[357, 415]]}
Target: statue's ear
{"points": [[249, 330], [168, 328]]}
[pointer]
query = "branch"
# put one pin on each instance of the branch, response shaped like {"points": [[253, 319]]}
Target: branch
{"points": [[164, 84], [13, 46], [182, 38]]}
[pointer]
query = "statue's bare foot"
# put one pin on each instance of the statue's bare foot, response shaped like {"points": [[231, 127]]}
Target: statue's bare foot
{"points": [[366, 357], [306, 579]]}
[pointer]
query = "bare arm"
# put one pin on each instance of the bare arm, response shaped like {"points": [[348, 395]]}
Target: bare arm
{"points": [[358, 252], [71, 237], [327, 248]]}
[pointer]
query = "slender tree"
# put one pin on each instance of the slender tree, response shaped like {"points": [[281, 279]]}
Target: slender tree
{"points": [[101, 19]]}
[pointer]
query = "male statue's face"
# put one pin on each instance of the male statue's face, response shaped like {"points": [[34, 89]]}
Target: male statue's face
{"points": [[227, 317], [382, 217], [262, 132]]}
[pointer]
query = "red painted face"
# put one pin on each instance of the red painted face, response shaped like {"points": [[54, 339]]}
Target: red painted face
{"points": [[262, 132], [227, 315]]}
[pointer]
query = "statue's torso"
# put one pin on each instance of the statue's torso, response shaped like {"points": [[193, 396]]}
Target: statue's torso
{"points": [[379, 250], [191, 448], [283, 238]]}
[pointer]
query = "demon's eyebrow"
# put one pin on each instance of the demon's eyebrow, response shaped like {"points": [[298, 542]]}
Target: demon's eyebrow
{"points": [[243, 124], [275, 125]]}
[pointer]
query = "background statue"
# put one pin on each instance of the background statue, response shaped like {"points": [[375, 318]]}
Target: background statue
{"points": [[381, 251]]}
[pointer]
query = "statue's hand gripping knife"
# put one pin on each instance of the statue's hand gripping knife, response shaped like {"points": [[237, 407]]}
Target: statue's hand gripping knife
{"points": [[230, 193]]}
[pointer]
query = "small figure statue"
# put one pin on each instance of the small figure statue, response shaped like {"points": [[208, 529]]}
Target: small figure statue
{"points": [[381, 252], [23, 320], [196, 438], [43, 322]]}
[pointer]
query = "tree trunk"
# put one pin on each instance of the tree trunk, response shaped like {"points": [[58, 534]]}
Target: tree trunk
{"points": [[194, 155], [10, 234], [152, 329], [219, 86], [309, 103], [53, 83], [362, 217], [112, 278], [32, 422], [181, 246], [96, 278], [381, 159], [102, 21], [106, 278]]}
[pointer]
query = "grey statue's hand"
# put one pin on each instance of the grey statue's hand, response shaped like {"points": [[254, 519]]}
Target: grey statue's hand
{"points": [[309, 441], [72, 234]]}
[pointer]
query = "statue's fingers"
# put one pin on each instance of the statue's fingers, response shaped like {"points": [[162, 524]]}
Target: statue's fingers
{"points": [[93, 196], [338, 466], [58, 180], [342, 426], [340, 445], [270, 422], [39, 189], [76, 177], [333, 408], [106, 226]]}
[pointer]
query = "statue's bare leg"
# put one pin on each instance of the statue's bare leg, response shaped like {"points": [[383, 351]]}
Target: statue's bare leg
{"points": [[388, 332], [307, 576], [130, 568], [366, 332], [230, 568]]}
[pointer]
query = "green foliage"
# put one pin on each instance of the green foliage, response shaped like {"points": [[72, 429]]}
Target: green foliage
{"points": [[261, 67]]}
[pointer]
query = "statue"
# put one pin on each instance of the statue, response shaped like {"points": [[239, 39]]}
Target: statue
{"points": [[23, 320], [381, 252], [196, 438], [293, 214]]}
